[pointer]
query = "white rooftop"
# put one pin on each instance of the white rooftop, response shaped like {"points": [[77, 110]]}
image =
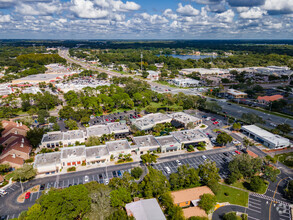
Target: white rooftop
{"points": [[268, 136]]}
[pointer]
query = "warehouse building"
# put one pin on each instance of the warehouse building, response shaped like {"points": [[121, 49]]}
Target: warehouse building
{"points": [[266, 138]]}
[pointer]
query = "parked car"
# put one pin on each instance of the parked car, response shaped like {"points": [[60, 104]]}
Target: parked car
{"points": [[114, 174], [204, 157], [213, 119], [167, 170], [178, 162], [204, 116], [86, 179], [226, 154], [224, 159], [119, 173], [2, 192], [42, 187], [216, 122], [27, 195], [237, 152], [106, 181]]}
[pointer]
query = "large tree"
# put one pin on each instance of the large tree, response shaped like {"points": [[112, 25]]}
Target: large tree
{"points": [[207, 202], [149, 158], [35, 136], [223, 138], [70, 203]]}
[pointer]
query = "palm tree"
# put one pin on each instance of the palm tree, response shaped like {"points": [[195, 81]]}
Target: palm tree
{"points": [[247, 142]]}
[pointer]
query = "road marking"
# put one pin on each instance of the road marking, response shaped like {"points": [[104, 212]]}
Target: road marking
{"points": [[253, 218], [254, 210]]}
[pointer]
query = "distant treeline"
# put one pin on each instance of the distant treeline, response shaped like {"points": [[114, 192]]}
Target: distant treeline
{"points": [[256, 46]]}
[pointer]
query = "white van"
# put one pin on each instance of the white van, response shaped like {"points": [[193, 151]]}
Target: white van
{"points": [[204, 157]]}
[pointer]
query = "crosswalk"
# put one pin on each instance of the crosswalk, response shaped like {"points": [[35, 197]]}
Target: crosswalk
{"points": [[269, 198]]}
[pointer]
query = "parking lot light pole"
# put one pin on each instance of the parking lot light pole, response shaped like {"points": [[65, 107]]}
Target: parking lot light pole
{"points": [[21, 186]]}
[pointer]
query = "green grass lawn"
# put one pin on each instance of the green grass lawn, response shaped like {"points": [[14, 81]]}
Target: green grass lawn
{"points": [[231, 195], [245, 185], [286, 158]]}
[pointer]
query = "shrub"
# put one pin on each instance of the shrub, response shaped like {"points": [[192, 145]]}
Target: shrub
{"points": [[190, 148], [29, 160], [83, 163], [231, 216], [244, 216], [207, 202], [201, 148], [71, 169]]}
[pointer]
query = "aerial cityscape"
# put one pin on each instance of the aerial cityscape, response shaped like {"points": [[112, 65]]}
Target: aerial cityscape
{"points": [[146, 110]]}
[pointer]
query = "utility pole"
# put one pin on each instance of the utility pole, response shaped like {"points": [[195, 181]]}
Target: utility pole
{"points": [[141, 56]]}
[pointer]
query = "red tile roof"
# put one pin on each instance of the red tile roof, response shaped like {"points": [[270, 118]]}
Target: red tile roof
{"points": [[270, 98], [4, 139], [19, 146], [10, 159], [8, 125]]}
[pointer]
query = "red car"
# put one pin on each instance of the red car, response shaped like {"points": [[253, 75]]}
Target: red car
{"points": [[107, 119], [27, 195], [139, 115], [237, 152], [213, 119], [216, 122], [134, 117]]}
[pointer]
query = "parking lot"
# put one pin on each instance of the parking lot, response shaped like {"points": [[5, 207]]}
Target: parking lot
{"points": [[220, 159]]}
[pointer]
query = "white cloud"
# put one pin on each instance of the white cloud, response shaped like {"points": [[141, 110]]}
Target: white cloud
{"points": [[187, 10], [86, 9], [226, 16], [5, 18], [170, 14], [40, 8], [252, 13], [279, 5]]}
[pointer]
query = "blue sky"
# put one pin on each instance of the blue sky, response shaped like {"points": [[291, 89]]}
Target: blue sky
{"points": [[146, 19]]}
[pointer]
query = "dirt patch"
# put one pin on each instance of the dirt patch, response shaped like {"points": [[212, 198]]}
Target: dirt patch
{"points": [[34, 189]]}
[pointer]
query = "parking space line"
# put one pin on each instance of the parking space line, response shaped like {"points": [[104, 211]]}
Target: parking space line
{"points": [[250, 217], [254, 210]]}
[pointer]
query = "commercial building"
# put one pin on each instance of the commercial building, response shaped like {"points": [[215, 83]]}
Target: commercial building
{"points": [[31, 90], [189, 198], [143, 144], [149, 121], [35, 79], [191, 137], [168, 143], [181, 119], [153, 75], [188, 82], [116, 128], [116, 148], [233, 93], [5, 89], [203, 71], [73, 156], [57, 138], [145, 209], [48, 163], [268, 99], [266, 138], [97, 154]]}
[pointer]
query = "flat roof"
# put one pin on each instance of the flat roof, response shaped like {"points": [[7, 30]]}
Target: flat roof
{"points": [[235, 92], [167, 140], [184, 118], [47, 159], [97, 130], [151, 119], [189, 135], [75, 134], [190, 194], [145, 209], [145, 141], [268, 136], [39, 77], [53, 136], [96, 151], [117, 126], [118, 145], [71, 152]]}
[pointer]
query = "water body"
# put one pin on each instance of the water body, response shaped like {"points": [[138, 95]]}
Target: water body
{"points": [[185, 57]]}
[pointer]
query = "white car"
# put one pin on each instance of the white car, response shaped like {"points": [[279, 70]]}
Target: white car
{"points": [[86, 179], [208, 118], [167, 170], [3, 192], [178, 162], [106, 181], [235, 142], [204, 157]]}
